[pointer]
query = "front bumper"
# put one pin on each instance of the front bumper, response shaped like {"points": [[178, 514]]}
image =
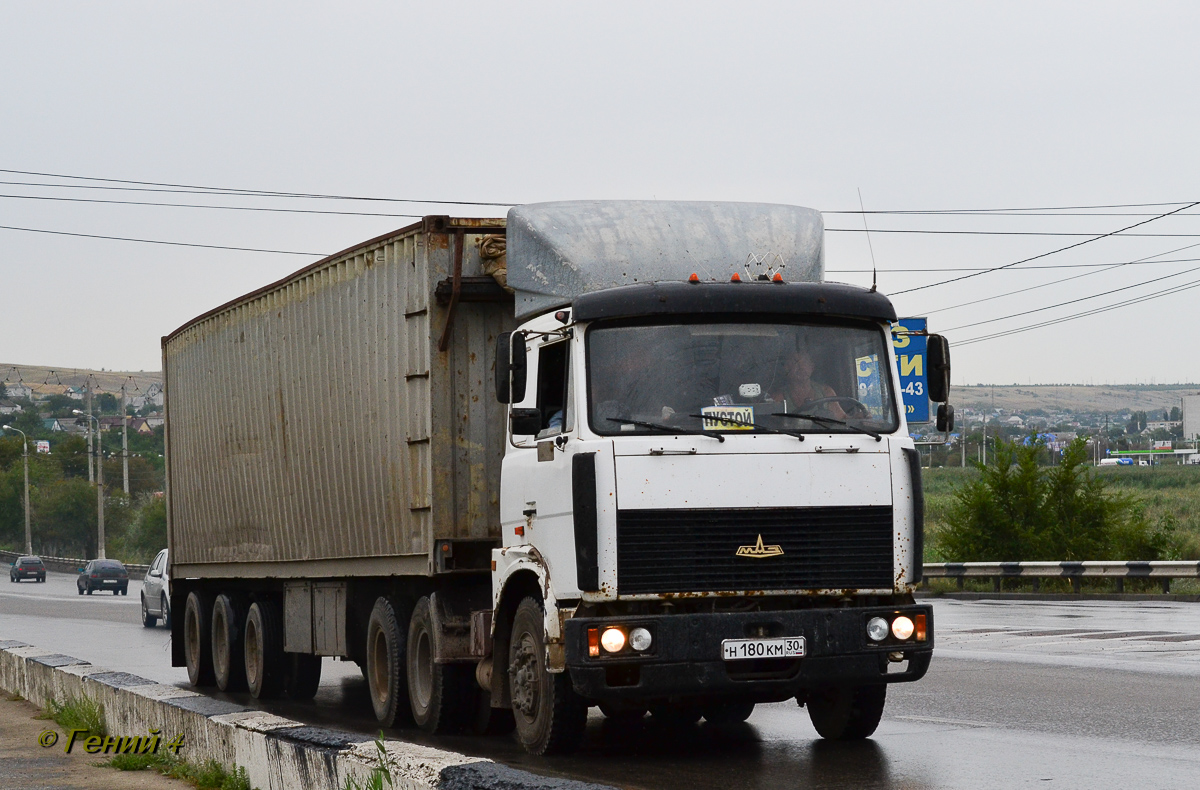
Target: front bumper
{"points": [[685, 657]]}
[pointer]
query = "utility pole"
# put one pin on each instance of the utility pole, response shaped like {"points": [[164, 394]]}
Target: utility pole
{"points": [[25, 461], [124, 441], [91, 470], [99, 493], [99, 487]]}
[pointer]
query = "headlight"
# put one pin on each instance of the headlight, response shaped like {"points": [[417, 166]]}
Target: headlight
{"points": [[877, 629], [639, 639], [612, 640], [902, 627]]}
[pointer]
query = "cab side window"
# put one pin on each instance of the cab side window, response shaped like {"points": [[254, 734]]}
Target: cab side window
{"points": [[552, 375]]}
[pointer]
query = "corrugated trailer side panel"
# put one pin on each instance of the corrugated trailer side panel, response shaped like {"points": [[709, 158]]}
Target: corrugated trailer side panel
{"points": [[317, 420]]}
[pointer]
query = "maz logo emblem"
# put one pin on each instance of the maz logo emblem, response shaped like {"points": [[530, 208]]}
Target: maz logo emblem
{"points": [[758, 550]]}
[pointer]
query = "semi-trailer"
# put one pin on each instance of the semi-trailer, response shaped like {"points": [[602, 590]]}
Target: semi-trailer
{"points": [[629, 454]]}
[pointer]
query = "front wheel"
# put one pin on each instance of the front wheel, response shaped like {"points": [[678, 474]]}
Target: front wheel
{"points": [[847, 713], [550, 716], [148, 620]]}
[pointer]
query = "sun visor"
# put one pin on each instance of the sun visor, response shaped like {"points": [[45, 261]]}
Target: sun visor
{"points": [[558, 251]]}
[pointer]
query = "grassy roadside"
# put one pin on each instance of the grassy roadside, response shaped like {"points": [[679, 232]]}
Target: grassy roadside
{"points": [[85, 713], [1168, 494]]}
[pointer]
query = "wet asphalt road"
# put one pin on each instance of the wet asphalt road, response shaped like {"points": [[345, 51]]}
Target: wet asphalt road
{"points": [[1095, 694]]}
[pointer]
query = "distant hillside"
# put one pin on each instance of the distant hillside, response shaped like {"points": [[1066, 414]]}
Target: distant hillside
{"points": [[53, 381], [1076, 397]]}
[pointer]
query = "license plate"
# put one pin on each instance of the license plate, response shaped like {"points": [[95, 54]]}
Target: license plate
{"points": [[783, 647]]}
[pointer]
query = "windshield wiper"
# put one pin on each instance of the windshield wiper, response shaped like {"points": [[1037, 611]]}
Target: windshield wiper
{"points": [[669, 429], [750, 424], [829, 421]]}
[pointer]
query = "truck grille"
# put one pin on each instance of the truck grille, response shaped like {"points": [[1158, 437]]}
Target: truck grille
{"points": [[674, 551]]}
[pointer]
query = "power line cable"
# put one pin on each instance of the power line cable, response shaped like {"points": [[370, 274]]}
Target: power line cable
{"points": [[995, 210], [199, 205], [1145, 298], [1063, 280], [1022, 269], [935, 232], [253, 191], [1047, 254], [159, 241], [1071, 301]]}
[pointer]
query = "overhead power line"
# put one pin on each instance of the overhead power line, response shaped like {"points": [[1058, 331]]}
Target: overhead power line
{"points": [[1000, 210], [1063, 319], [159, 241], [942, 270], [1070, 301], [934, 232], [240, 191], [1147, 259], [200, 205], [1051, 252]]}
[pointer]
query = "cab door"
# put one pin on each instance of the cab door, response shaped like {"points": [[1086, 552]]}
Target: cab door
{"points": [[536, 500]]}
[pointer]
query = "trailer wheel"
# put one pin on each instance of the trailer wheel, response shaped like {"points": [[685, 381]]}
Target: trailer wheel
{"points": [[442, 696], [848, 713], [228, 655], [550, 716], [264, 650], [384, 667], [303, 676], [197, 644]]}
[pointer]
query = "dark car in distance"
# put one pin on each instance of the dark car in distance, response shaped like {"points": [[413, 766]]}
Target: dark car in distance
{"points": [[103, 575], [27, 568]]}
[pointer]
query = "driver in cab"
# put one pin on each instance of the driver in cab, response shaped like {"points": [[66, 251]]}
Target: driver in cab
{"points": [[799, 388]]}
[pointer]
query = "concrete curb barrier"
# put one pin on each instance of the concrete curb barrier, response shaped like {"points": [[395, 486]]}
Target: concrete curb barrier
{"points": [[276, 752]]}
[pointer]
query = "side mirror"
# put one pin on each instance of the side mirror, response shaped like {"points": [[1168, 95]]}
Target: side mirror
{"points": [[511, 367], [945, 418], [938, 359], [525, 422]]}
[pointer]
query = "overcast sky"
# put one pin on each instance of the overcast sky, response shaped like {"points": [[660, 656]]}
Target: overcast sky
{"points": [[921, 106]]}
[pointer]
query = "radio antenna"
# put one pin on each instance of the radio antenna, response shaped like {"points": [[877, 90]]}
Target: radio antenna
{"points": [[868, 233]]}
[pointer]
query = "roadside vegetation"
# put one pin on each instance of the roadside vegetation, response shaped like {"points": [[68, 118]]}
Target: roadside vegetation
{"points": [[209, 775], [85, 713], [1019, 507], [63, 502], [78, 713]]}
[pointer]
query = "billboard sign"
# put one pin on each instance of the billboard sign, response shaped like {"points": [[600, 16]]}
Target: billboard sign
{"points": [[43, 447], [910, 357]]}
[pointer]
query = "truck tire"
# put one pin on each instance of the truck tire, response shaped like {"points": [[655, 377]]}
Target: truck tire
{"points": [[725, 714], [442, 696], [303, 676], [384, 668], [263, 643], [550, 716], [197, 643], [228, 655], [847, 713]]}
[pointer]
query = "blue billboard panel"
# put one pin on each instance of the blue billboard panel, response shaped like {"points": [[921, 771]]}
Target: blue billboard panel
{"points": [[910, 357]]}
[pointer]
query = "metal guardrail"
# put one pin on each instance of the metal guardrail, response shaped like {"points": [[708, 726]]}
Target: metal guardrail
{"points": [[71, 564], [1163, 570]]}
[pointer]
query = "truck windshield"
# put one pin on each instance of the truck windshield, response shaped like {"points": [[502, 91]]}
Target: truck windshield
{"points": [[739, 377]]}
